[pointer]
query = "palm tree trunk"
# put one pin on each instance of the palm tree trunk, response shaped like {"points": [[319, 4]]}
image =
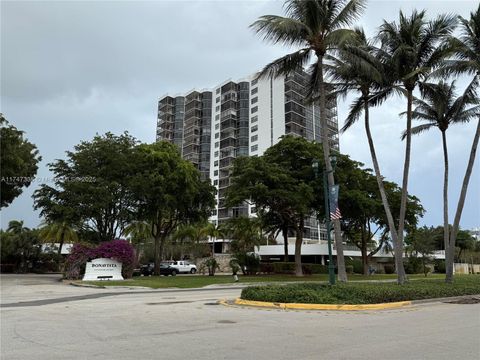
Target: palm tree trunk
{"points": [[62, 239], [446, 230], [298, 249], [285, 243], [378, 175], [342, 274], [403, 201], [461, 203]]}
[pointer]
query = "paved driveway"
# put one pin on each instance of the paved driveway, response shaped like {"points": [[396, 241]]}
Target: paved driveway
{"points": [[42, 318]]}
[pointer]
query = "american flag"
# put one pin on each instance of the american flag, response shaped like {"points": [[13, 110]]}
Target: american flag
{"points": [[335, 213]]}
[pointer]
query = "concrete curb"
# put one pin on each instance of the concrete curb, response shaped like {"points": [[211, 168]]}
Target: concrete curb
{"points": [[293, 306]]}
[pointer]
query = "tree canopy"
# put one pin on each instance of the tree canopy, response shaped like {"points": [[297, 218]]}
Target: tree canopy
{"points": [[19, 162]]}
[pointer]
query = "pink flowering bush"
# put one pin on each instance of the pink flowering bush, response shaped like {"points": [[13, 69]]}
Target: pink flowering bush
{"points": [[119, 250]]}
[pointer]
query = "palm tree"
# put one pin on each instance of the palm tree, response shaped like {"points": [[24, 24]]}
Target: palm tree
{"points": [[317, 27], [16, 227], [139, 232], [466, 61], [356, 67], [412, 51], [214, 232], [58, 232], [440, 109]]}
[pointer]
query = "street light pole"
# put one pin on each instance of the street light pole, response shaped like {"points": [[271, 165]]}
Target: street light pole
{"points": [[331, 266]]}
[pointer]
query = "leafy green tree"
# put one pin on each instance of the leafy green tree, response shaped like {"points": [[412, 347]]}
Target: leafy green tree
{"points": [[439, 108], [421, 242], [466, 61], [168, 192], [412, 50], [92, 187], [264, 184], [58, 232], [363, 215], [280, 183], [317, 27], [465, 241], [19, 159]]}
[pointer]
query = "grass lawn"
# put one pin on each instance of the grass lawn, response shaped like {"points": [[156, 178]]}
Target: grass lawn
{"points": [[197, 281], [363, 292]]}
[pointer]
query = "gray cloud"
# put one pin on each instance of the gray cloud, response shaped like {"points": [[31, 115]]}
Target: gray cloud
{"points": [[71, 69]]}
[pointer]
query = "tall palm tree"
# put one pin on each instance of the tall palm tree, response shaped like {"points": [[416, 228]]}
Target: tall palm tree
{"points": [[412, 49], [356, 67], [317, 27], [466, 61], [58, 232], [439, 109]]}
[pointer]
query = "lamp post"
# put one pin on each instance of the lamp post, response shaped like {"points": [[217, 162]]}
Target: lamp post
{"points": [[315, 165]]}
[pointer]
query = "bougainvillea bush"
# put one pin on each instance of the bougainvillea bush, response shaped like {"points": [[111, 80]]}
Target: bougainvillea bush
{"points": [[119, 250]]}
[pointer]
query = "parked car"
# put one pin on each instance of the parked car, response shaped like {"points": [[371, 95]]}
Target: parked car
{"points": [[184, 267], [165, 269]]}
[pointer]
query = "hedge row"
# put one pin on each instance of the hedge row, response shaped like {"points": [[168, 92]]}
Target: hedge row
{"points": [[289, 268], [363, 293]]}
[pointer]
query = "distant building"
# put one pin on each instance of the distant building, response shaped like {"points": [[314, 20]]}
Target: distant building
{"points": [[212, 127]]}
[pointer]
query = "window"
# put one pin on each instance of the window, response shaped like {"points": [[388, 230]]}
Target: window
{"points": [[217, 108], [215, 154], [254, 138], [253, 210], [218, 91], [254, 109], [217, 135], [217, 100], [215, 182], [217, 126], [217, 117], [254, 119], [217, 144], [254, 100], [254, 128], [254, 91], [254, 148], [215, 163], [254, 82], [215, 173]]}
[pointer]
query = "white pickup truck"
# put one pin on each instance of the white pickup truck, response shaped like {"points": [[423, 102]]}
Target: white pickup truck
{"points": [[184, 267]]}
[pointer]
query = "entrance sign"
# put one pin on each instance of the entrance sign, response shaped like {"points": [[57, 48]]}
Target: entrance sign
{"points": [[103, 269]]}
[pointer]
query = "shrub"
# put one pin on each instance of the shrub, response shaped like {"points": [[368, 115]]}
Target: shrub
{"points": [[439, 266], [357, 266], [413, 266], [349, 269], [289, 268], [363, 293], [212, 265], [389, 268], [266, 268]]}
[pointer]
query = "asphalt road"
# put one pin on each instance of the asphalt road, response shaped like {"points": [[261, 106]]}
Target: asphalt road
{"points": [[42, 318]]}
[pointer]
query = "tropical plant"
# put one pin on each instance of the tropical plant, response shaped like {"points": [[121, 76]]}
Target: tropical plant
{"points": [[356, 67], [140, 234], [439, 108], [466, 61], [412, 50], [318, 28], [58, 233]]}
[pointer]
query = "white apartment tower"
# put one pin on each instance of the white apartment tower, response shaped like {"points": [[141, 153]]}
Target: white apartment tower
{"points": [[212, 127]]}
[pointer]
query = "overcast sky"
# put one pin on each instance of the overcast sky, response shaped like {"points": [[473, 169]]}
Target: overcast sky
{"points": [[71, 69]]}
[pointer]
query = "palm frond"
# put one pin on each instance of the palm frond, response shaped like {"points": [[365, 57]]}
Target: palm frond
{"points": [[286, 64], [419, 129], [350, 12], [283, 30]]}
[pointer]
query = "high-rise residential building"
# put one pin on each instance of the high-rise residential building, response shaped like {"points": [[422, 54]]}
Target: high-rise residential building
{"points": [[212, 127]]}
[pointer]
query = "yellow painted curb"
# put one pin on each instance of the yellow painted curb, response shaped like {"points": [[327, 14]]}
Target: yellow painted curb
{"points": [[285, 306]]}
